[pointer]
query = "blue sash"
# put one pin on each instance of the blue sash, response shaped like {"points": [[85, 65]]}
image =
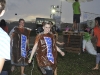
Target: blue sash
{"points": [[48, 42], [23, 45]]}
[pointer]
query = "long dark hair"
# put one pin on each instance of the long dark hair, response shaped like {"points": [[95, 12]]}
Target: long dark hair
{"points": [[98, 19], [2, 23]]}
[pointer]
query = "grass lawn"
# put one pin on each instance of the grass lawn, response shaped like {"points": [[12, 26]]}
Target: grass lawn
{"points": [[70, 64]]}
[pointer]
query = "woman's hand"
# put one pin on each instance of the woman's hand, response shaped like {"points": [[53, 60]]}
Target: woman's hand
{"points": [[62, 43], [29, 61], [62, 53]]}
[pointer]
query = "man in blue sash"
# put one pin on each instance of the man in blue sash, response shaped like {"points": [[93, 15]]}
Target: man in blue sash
{"points": [[20, 45]]}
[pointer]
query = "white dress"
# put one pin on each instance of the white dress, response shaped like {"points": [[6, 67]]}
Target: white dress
{"points": [[89, 47]]}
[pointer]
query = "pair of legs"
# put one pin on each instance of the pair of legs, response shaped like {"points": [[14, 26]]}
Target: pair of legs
{"points": [[76, 21], [7, 67], [48, 70], [55, 72], [75, 26], [22, 69], [97, 59]]}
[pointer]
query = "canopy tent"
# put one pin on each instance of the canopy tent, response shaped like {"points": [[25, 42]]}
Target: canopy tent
{"points": [[79, 0]]}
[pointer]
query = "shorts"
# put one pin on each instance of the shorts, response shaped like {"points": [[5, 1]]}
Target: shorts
{"points": [[44, 69], [76, 18], [4, 73]]}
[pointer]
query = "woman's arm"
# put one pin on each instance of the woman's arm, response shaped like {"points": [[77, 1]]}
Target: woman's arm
{"points": [[60, 51], [2, 60], [33, 51], [60, 43]]}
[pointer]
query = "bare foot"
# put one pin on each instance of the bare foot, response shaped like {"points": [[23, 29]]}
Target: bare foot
{"points": [[13, 68], [95, 68]]}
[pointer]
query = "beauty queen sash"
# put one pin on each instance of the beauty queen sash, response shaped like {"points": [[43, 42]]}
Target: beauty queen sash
{"points": [[23, 45], [49, 49]]}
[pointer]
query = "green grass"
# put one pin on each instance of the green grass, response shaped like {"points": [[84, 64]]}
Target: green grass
{"points": [[70, 64]]}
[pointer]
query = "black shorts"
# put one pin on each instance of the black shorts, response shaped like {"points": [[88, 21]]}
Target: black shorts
{"points": [[76, 18], [98, 49]]}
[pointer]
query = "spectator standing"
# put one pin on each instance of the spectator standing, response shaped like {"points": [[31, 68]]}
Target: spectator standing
{"points": [[19, 45], [4, 40], [76, 16]]}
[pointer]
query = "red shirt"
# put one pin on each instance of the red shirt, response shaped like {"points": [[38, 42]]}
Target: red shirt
{"points": [[97, 34]]}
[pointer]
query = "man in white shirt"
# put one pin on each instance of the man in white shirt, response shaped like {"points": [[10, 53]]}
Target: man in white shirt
{"points": [[4, 39]]}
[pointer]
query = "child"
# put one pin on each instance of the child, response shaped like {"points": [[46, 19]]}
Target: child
{"points": [[46, 49], [87, 44]]}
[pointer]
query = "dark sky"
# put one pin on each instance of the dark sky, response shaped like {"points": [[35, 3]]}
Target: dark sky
{"points": [[30, 9]]}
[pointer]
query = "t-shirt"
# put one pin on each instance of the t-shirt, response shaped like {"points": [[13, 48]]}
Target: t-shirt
{"points": [[76, 6], [4, 44], [97, 34]]}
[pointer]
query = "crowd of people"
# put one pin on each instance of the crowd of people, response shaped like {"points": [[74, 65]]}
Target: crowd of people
{"points": [[14, 46]]}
